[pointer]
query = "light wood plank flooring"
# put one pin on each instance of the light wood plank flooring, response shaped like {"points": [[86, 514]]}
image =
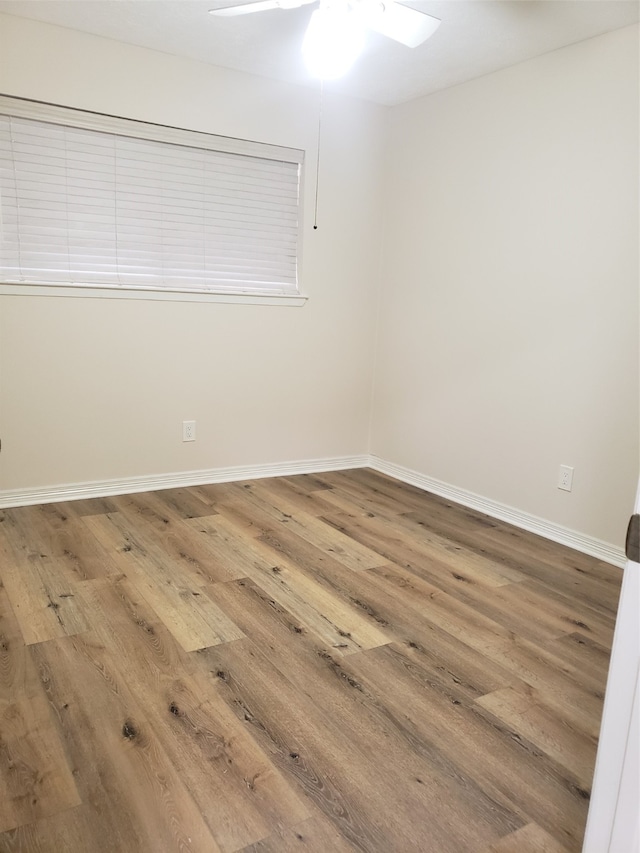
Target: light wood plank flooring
{"points": [[323, 663]]}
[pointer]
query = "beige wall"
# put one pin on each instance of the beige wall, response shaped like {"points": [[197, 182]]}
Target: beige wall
{"points": [[508, 341], [97, 389], [508, 334]]}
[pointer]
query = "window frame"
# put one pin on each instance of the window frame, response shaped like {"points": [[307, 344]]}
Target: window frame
{"points": [[117, 125]]}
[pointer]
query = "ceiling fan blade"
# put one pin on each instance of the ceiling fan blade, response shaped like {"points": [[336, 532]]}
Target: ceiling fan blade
{"points": [[245, 8], [400, 23], [258, 6]]}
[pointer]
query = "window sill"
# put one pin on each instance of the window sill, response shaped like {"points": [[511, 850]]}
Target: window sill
{"points": [[153, 295]]}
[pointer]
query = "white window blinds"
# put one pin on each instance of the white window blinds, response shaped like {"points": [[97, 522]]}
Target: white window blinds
{"points": [[97, 201]]}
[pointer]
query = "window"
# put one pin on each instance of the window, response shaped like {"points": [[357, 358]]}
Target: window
{"points": [[93, 201]]}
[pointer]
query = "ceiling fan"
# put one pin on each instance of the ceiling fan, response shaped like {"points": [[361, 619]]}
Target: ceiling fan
{"points": [[336, 31]]}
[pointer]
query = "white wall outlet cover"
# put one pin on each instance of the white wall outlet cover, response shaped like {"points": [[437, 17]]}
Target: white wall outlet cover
{"points": [[565, 478]]}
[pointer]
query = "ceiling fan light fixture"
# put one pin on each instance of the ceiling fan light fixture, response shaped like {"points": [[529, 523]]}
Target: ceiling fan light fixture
{"points": [[333, 41]]}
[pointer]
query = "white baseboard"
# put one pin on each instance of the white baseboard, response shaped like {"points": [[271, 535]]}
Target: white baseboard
{"points": [[107, 488], [150, 483], [556, 533]]}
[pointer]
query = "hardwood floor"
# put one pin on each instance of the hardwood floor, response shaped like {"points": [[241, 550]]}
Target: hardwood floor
{"points": [[323, 663]]}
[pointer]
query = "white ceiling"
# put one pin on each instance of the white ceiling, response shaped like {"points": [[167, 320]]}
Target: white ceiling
{"points": [[475, 37]]}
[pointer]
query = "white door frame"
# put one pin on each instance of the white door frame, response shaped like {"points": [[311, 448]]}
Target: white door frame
{"points": [[613, 823]]}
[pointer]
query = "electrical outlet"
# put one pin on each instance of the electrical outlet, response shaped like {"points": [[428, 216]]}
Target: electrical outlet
{"points": [[188, 430], [565, 478]]}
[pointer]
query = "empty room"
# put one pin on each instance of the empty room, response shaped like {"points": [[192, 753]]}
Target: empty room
{"points": [[319, 426]]}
